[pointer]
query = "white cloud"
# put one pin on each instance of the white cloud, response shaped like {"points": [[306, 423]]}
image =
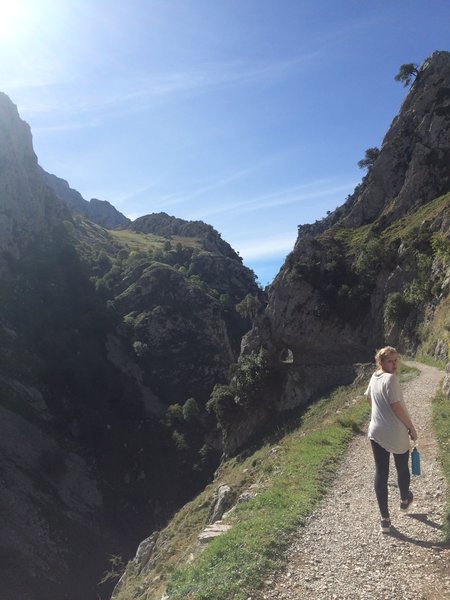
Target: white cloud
{"points": [[297, 194], [277, 246], [136, 94]]}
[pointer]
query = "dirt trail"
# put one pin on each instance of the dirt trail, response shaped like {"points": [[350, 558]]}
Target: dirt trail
{"points": [[340, 554]]}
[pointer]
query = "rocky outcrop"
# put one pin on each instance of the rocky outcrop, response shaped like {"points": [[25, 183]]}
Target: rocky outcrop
{"points": [[179, 336], [352, 283], [221, 503], [45, 490], [166, 225], [413, 165], [106, 215], [108, 355], [100, 212], [28, 207]]}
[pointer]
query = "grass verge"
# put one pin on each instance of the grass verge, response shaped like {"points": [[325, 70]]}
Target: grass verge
{"points": [[441, 426], [298, 471], [290, 475]]}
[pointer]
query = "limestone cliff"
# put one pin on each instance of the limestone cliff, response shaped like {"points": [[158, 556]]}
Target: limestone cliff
{"points": [[166, 225], [111, 342], [28, 207], [101, 212], [375, 271]]}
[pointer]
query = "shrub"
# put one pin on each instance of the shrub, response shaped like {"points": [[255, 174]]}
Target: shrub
{"points": [[130, 321], [221, 402], [191, 411], [179, 441], [251, 377], [441, 247], [396, 309], [174, 414], [140, 348], [248, 307]]}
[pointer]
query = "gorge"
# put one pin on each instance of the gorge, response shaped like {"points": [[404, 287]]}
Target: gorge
{"points": [[134, 355]]}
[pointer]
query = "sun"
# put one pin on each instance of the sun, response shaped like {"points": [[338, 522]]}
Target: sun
{"points": [[13, 15]]}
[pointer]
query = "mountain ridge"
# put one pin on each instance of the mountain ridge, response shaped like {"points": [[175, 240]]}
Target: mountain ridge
{"points": [[355, 281], [121, 348], [376, 271], [110, 344]]}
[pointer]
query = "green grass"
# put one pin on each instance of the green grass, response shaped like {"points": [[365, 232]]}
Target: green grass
{"points": [[429, 360], [441, 425], [290, 475], [235, 564], [143, 242], [414, 222], [352, 239]]}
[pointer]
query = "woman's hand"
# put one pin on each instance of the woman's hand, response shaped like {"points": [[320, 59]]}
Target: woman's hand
{"points": [[412, 433]]}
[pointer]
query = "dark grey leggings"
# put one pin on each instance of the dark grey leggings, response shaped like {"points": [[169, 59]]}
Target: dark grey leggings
{"points": [[381, 457]]}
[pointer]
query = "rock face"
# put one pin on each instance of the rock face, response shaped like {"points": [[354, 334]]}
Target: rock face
{"points": [[40, 478], [413, 166], [98, 211], [184, 347], [27, 206], [104, 214], [108, 355], [375, 271], [166, 225], [111, 343]]}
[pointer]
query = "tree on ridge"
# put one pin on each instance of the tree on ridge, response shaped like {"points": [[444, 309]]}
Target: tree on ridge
{"points": [[407, 73]]}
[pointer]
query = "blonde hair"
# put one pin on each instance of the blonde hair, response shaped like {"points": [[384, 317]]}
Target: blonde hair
{"points": [[384, 353]]}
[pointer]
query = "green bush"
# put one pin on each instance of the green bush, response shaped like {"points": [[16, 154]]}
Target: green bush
{"points": [[221, 402], [179, 441], [396, 309], [191, 411], [251, 376], [174, 415], [441, 247]]}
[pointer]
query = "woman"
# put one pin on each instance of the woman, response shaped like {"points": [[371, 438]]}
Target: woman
{"points": [[389, 431]]}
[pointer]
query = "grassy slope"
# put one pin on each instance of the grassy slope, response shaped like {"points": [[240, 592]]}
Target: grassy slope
{"points": [[401, 229], [290, 475], [441, 425], [149, 241], [91, 239]]}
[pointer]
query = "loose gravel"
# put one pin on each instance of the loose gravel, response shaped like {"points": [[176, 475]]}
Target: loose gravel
{"points": [[340, 553]]}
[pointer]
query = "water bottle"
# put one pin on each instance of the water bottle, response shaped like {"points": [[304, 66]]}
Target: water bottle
{"points": [[415, 461]]}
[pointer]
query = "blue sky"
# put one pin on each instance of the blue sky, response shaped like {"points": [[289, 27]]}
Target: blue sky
{"points": [[250, 115]]}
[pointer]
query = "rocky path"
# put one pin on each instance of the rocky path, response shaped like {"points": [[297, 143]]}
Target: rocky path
{"points": [[340, 554]]}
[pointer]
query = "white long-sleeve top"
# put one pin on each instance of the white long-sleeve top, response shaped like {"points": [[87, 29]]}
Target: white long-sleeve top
{"points": [[385, 427]]}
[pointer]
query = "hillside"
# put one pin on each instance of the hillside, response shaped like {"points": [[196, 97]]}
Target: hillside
{"points": [[134, 358], [296, 515], [349, 513], [375, 271], [111, 342], [100, 212]]}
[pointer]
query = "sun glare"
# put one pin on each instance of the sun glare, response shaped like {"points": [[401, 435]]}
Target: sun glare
{"points": [[13, 16], [17, 17]]}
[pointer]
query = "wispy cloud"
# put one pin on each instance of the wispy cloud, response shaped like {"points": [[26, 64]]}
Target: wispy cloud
{"points": [[277, 246], [292, 195], [129, 95], [206, 188], [203, 189], [300, 194]]}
